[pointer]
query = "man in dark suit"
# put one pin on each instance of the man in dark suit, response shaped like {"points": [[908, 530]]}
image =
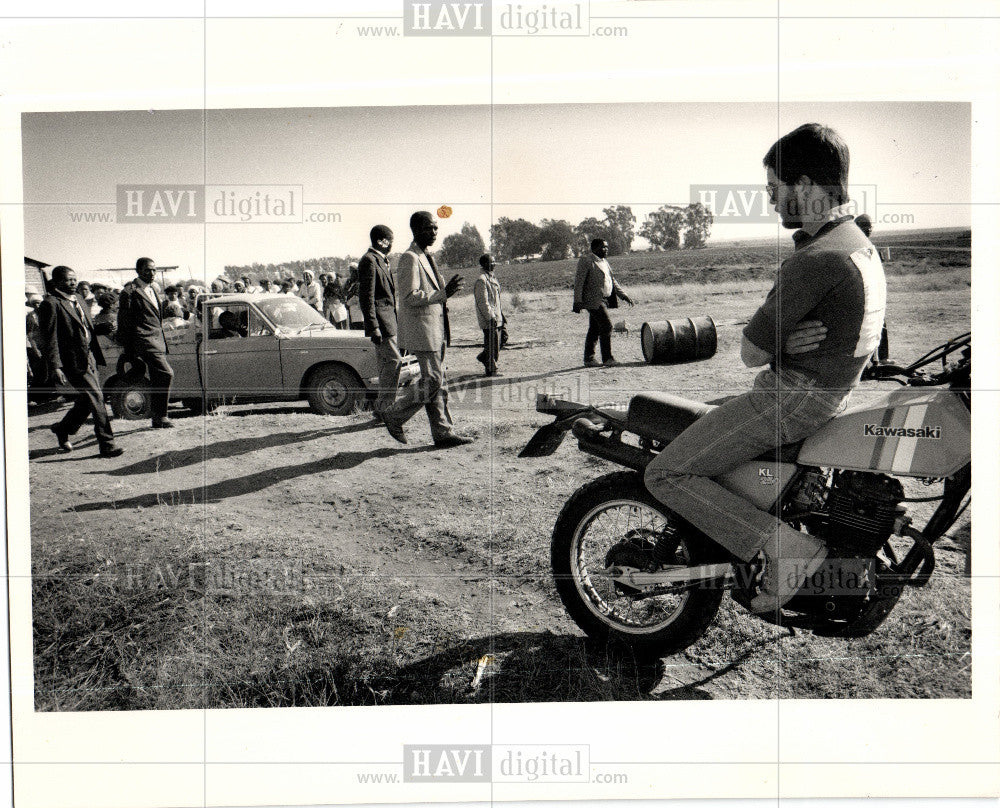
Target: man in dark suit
{"points": [[72, 354], [377, 297], [140, 333], [596, 290]]}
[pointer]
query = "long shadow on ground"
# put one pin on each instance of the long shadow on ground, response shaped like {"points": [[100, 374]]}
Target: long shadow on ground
{"points": [[251, 483], [220, 450]]}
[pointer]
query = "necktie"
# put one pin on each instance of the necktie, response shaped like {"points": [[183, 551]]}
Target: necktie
{"points": [[444, 305], [80, 314]]}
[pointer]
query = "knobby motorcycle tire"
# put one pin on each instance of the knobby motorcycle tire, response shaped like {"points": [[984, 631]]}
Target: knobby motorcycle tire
{"points": [[695, 615]]}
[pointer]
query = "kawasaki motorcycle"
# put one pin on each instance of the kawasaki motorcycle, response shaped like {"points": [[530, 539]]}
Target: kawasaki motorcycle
{"points": [[629, 570]]}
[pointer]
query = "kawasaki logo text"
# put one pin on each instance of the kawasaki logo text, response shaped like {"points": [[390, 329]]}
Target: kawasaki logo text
{"points": [[874, 431]]}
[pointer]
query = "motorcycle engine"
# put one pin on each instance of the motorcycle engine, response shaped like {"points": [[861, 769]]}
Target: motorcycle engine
{"points": [[862, 511]]}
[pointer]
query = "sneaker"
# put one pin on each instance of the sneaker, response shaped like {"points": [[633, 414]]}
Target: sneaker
{"points": [[448, 441], [111, 451], [63, 439], [591, 363], [801, 556]]}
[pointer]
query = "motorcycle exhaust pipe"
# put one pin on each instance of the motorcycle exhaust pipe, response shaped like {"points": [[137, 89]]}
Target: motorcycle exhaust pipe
{"points": [[609, 447]]}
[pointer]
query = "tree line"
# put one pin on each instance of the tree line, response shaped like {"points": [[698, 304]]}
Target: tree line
{"points": [[669, 227]]}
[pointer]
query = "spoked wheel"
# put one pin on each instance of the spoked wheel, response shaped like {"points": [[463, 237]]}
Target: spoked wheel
{"points": [[614, 522]]}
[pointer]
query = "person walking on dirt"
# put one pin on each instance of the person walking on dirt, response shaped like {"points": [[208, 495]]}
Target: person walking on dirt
{"points": [[489, 312], [596, 290], [377, 296], [422, 318], [813, 336], [140, 333], [72, 353]]}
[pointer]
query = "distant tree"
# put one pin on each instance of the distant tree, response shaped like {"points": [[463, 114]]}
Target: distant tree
{"points": [[515, 238], [620, 221], [591, 228], [698, 225], [663, 227], [463, 249], [557, 239], [501, 238]]}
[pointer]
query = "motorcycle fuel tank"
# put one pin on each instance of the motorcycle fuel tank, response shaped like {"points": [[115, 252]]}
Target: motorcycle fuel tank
{"points": [[909, 433]]}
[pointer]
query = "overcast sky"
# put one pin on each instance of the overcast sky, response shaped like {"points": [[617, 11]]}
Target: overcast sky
{"points": [[378, 165]]}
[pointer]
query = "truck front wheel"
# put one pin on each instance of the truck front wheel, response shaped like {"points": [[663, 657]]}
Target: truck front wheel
{"points": [[334, 390]]}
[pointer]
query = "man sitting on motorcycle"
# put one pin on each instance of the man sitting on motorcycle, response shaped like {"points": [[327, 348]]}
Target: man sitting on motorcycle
{"points": [[835, 277]]}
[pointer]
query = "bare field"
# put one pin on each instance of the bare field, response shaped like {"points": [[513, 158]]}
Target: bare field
{"points": [[913, 252], [266, 556]]}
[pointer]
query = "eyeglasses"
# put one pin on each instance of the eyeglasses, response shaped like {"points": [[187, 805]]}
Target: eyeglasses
{"points": [[772, 191]]}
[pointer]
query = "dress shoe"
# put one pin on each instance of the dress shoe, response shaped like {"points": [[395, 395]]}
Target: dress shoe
{"points": [[785, 574], [164, 423], [394, 428], [111, 451], [611, 363], [63, 439], [591, 363], [448, 441]]}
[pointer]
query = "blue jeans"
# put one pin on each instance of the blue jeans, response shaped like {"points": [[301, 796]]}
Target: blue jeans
{"points": [[775, 411]]}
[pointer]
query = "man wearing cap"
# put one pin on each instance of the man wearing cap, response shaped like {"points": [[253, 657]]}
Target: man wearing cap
{"points": [[377, 296], [72, 354], [310, 291]]}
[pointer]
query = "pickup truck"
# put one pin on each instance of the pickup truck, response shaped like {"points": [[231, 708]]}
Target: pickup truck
{"points": [[262, 347]]}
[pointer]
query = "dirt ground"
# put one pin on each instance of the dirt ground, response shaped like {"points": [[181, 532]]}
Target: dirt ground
{"points": [[264, 555]]}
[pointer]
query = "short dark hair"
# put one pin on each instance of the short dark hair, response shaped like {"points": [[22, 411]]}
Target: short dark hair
{"points": [[420, 216], [484, 260], [814, 151], [140, 263], [596, 241], [381, 231], [60, 272], [864, 223]]}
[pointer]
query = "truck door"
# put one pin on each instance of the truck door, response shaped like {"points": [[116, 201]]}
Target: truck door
{"points": [[240, 356]]}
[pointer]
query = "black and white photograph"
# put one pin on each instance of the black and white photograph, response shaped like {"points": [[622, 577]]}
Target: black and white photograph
{"points": [[299, 537], [408, 415]]}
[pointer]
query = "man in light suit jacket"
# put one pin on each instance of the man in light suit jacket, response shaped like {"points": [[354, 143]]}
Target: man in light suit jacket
{"points": [[377, 298], [596, 290], [489, 312], [140, 333], [422, 319], [72, 353]]}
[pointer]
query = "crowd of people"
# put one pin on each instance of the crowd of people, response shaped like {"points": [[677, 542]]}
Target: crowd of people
{"points": [[330, 295]]}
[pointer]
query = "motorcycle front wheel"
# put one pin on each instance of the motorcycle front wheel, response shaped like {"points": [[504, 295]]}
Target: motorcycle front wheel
{"points": [[614, 521]]}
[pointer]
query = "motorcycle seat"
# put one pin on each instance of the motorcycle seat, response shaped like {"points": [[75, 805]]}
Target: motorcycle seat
{"points": [[662, 417]]}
